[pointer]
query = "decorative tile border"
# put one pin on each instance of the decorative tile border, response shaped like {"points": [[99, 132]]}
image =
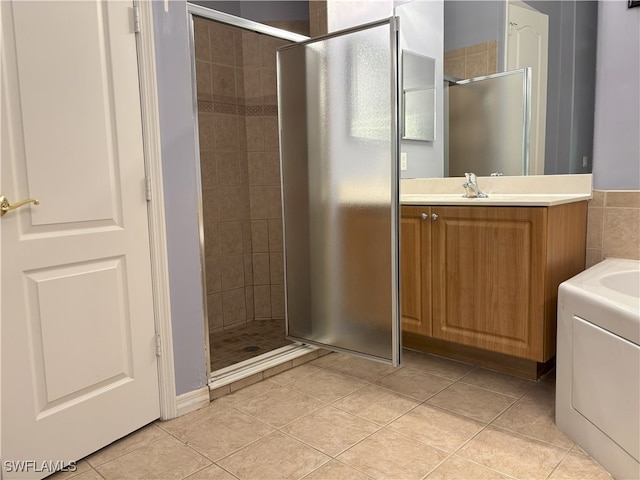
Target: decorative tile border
{"points": [[241, 110], [205, 106]]}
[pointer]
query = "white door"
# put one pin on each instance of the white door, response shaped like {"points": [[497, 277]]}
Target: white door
{"points": [[77, 339], [527, 46]]}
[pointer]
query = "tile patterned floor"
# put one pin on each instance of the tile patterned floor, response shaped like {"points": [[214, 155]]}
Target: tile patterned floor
{"points": [[340, 417], [246, 341]]}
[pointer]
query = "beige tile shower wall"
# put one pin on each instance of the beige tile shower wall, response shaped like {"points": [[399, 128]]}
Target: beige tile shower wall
{"points": [[613, 225], [473, 61], [238, 129], [263, 156], [224, 174]]}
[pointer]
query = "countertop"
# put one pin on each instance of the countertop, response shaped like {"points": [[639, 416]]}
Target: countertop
{"points": [[525, 191], [494, 199]]}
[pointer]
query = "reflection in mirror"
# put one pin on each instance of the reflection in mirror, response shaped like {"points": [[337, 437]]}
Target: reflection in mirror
{"points": [[475, 43], [418, 97], [489, 125]]}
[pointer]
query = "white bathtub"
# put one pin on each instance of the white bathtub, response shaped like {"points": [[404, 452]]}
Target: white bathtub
{"points": [[598, 364]]}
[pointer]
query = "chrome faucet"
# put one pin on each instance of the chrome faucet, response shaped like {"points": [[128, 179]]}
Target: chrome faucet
{"points": [[471, 186]]}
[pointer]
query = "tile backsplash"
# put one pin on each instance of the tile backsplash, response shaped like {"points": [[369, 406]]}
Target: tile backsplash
{"points": [[613, 225]]}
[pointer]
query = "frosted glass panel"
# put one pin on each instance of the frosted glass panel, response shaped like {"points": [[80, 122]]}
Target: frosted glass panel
{"points": [[338, 132]]}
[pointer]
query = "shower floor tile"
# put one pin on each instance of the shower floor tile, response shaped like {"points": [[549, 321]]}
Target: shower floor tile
{"points": [[246, 341]]}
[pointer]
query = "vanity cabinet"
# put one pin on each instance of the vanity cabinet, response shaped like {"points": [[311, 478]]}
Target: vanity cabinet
{"points": [[487, 276]]}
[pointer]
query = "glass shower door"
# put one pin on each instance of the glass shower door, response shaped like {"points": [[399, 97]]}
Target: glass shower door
{"points": [[337, 101]]}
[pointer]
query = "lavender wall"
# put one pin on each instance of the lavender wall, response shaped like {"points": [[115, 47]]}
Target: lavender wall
{"points": [[177, 128], [616, 156]]}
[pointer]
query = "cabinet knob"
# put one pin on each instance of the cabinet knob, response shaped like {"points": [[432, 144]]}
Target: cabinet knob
{"points": [[424, 216], [434, 216]]}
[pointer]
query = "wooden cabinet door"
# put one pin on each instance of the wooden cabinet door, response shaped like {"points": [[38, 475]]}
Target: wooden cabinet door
{"points": [[488, 278], [415, 270]]}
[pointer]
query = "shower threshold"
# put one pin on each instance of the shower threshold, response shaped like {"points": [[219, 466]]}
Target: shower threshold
{"points": [[239, 371]]}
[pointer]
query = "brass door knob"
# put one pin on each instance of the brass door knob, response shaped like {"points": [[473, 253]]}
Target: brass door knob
{"points": [[5, 206]]}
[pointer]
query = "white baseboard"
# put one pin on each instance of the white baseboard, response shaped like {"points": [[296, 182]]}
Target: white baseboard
{"points": [[190, 401]]}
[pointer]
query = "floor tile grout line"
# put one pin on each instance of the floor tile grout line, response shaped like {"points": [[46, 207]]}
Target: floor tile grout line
{"points": [[465, 443], [517, 397], [463, 415], [492, 423], [209, 466], [559, 463], [334, 400], [455, 454], [387, 427], [274, 429], [413, 439], [485, 427], [396, 392], [413, 398], [76, 474], [97, 473], [420, 369], [351, 467], [127, 452], [252, 442], [287, 423], [520, 434], [484, 466], [426, 475], [331, 459], [354, 376], [514, 398]]}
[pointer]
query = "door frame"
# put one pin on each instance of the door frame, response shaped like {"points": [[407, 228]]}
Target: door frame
{"points": [[157, 227]]}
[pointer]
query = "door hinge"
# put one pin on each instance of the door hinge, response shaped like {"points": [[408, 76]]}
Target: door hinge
{"points": [[136, 19], [158, 345], [147, 188], [511, 25]]}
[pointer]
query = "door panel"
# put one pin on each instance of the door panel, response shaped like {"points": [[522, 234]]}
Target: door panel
{"points": [[43, 76], [527, 46], [105, 348], [488, 277], [78, 340], [339, 150], [415, 270]]}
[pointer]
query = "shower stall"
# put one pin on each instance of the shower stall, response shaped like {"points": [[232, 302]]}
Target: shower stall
{"points": [[241, 206], [333, 103]]}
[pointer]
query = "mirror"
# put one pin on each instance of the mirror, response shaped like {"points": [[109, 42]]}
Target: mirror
{"points": [[474, 44], [474, 36], [418, 97]]}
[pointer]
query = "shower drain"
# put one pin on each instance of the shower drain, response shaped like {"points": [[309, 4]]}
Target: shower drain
{"points": [[251, 348]]}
